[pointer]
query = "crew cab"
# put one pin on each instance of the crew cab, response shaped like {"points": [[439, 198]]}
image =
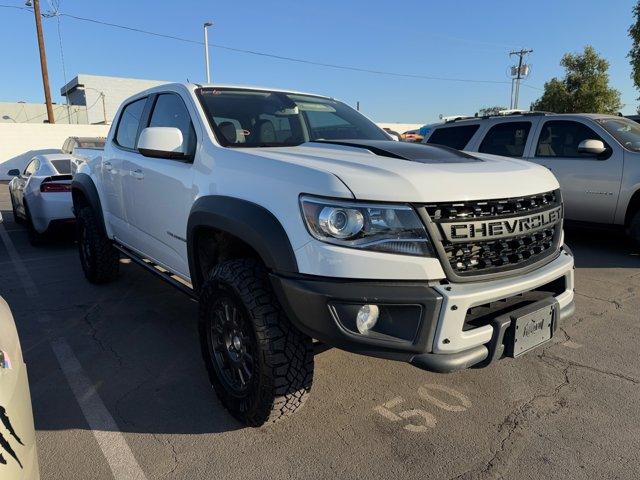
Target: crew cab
{"points": [[596, 158], [291, 217]]}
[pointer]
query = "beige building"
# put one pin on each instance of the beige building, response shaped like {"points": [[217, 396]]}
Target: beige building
{"points": [[101, 96], [22, 112]]}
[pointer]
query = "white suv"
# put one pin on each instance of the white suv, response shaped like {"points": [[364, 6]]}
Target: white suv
{"points": [[290, 216], [596, 158]]}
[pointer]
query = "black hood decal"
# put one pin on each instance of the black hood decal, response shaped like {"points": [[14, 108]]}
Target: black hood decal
{"points": [[414, 152], [4, 443]]}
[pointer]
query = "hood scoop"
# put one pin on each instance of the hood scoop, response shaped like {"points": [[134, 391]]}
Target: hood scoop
{"points": [[413, 152]]}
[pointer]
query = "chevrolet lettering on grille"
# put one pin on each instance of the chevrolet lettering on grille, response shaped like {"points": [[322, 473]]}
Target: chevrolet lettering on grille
{"points": [[459, 232]]}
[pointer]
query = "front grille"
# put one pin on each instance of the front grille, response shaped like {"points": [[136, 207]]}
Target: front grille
{"points": [[492, 255], [492, 208]]}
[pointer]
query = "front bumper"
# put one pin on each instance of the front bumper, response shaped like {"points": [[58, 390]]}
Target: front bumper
{"points": [[437, 327]]}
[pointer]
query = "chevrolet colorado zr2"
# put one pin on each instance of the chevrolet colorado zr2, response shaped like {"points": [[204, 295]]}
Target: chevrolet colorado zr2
{"points": [[291, 217]]}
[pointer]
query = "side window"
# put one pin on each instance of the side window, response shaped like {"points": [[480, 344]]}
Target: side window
{"points": [[454, 137], [170, 111], [507, 139], [127, 132], [31, 167], [560, 138]]}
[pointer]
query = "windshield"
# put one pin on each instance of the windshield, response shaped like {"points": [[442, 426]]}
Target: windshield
{"points": [[252, 118], [625, 131]]}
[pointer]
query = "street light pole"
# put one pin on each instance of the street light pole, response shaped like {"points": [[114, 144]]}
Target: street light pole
{"points": [[206, 49], [43, 61]]}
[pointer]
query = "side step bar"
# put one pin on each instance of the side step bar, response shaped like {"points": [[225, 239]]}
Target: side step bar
{"points": [[157, 270]]}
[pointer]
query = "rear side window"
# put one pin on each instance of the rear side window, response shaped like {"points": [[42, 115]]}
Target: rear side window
{"points": [[63, 167], [170, 111], [454, 137], [127, 133], [506, 139], [32, 167], [560, 138]]}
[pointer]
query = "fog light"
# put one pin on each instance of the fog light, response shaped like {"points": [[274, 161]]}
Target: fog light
{"points": [[367, 318]]}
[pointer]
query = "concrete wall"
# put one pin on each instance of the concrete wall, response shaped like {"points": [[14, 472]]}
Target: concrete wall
{"points": [[19, 142], [21, 112]]}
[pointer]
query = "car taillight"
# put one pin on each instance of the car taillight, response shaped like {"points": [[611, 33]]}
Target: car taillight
{"points": [[55, 187]]}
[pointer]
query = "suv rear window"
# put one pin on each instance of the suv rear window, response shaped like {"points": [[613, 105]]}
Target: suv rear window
{"points": [[507, 139], [454, 137]]}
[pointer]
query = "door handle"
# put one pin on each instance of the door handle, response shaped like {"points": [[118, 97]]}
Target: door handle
{"points": [[107, 166], [137, 174]]}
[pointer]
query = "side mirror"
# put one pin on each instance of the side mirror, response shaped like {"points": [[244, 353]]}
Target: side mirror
{"points": [[14, 172], [591, 147], [162, 142]]}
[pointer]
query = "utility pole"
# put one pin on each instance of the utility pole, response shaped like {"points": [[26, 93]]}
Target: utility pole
{"points": [[519, 72], [206, 49], [43, 61]]}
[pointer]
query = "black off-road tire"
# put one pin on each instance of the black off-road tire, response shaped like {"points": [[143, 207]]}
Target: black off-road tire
{"points": [[16, 218], [99, 259], [282, 372], [634, 228]]}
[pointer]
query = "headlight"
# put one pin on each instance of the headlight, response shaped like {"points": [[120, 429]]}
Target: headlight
{"points": [[367, 226]]}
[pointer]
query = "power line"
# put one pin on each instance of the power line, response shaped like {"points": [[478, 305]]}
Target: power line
{"points": [[274, 56]]}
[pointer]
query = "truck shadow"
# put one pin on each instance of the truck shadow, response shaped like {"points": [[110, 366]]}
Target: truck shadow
{"points": [[137, 339], [601, 248]]}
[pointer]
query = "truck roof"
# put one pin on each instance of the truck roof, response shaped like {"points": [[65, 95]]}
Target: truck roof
{"points": [[193, 86], [525, 114]]}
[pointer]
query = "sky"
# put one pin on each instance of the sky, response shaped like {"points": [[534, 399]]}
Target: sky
{"points": [[465, 40]]}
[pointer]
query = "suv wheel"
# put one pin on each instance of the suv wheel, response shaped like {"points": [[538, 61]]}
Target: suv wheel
{"points": [[100, 261], [259, 364], [634, 228]]}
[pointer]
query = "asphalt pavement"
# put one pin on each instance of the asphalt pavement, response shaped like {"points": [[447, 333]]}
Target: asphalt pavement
{"points": [[119, 388]]}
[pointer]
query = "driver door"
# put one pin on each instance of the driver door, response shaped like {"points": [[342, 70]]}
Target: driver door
{"points": [[590, 184]]}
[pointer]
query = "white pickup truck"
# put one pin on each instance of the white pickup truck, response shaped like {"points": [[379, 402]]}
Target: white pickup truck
{"points": [[291, 217]]}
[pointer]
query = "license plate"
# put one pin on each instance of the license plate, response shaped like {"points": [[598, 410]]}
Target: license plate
{"points": [[532, 329]]}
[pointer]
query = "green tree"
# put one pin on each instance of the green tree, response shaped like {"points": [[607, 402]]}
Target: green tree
{"points": [[634, 53], [584, 88]]}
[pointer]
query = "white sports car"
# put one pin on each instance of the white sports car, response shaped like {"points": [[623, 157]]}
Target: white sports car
{"points": [[41, 194], [18, 455]]}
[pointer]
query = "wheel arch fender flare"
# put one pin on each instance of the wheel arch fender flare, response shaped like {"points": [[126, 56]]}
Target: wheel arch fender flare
{"points": [[248, 221], [633, 206], [82, 186]]}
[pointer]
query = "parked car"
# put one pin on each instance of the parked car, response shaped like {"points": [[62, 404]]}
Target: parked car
{"points": [[41, 194], [290, 216], [395, 135], [18, 454], [411, 136], [596, 158], [72, 143], [82, 148]]}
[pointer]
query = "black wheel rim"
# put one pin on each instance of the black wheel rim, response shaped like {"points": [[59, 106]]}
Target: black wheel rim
{"points": [[231, 345]]}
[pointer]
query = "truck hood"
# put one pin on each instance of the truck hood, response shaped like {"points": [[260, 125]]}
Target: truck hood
{"points": [[402, 172]]}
